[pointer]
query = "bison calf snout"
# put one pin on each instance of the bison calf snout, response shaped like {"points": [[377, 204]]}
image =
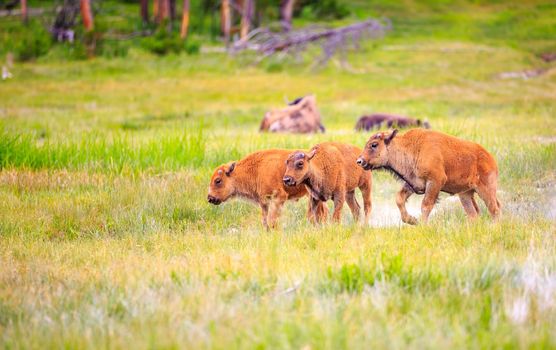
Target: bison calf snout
{"points": [[213, 200], [288, 181], [363, 163]]}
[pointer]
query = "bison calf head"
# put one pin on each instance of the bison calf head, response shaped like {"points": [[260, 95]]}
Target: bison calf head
{"points": [[221, 184], [297, 167], [375, 153]]}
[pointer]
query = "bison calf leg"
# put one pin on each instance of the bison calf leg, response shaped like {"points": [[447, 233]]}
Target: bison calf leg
{"points": [[353, 205], [469, 204], [475, 205], [432, 190], [339, 199], [274, 210], [401, 199], [322, 211], [366, 193], [264, 209], [310, 213], [316, 213], [487, 192]]}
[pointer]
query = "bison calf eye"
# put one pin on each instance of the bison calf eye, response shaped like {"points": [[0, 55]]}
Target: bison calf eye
{"points": [[299, 165], [218, 181], [374, 145]]}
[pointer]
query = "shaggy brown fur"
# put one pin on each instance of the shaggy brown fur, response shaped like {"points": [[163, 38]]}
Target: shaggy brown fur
{"points": [[429, 162], [369, 122], [258, 177], [329, 171], [301, 116]]}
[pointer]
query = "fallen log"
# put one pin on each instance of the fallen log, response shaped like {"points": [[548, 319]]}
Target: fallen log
{"points": [[332, 40]]}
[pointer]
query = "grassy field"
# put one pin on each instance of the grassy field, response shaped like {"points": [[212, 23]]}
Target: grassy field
{"points": [[106, 239]]}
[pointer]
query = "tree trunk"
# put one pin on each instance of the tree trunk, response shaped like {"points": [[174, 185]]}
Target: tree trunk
{"points": [[24, 15], [163, 10], [172, 9], [155, 9], [286, 14], [184, 19], [145, 11], [87, 15], [248, 9], [226, 20]]}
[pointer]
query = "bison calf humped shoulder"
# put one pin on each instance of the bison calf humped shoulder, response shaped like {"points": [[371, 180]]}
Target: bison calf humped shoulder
{"points": [[378, 120], [429, 162], [300, 117], [258, 177], [329, 171]]}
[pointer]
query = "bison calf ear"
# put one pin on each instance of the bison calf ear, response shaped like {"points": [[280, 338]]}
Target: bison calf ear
{"points": [[231, 169], [312, 153], [389, 138]]}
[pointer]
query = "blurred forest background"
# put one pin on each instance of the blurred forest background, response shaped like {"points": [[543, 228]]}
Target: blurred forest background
{"points": [[81, 29]]}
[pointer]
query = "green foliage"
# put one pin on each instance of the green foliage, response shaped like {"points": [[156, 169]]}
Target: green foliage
{"points": [[100, 43], [164, 42], [354, 277], [115, 48], [322, 9], [192, 46], [33, 43], [69, 51]]}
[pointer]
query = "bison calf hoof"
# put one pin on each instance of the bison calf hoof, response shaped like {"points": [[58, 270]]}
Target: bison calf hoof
{"points": [[411, 220]]}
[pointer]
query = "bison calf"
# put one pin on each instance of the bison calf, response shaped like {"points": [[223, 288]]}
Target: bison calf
{"points": [[258, 177], [329, 171], [429, 162]]}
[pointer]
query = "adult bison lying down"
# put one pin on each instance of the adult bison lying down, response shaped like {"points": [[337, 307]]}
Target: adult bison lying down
{"points": [[329, 171], [429, 162], [258, 177], [301, 116], [370, 122]]}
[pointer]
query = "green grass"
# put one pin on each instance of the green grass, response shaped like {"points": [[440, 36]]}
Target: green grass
{"points": [[106, 239]]}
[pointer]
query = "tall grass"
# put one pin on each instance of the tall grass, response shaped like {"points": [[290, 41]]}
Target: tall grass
{"points": [[94, 152], [193, 149], [317, 288]]}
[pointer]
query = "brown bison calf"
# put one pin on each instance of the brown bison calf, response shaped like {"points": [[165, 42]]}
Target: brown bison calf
{"points": [[429, 162], [329, 171], [369, 122], [258, 177]]}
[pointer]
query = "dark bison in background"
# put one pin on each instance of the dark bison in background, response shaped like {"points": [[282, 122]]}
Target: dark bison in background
{"points": [[378, 120]]}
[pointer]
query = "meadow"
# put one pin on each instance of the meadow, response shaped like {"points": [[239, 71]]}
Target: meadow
{"points": [[107, 240]]}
